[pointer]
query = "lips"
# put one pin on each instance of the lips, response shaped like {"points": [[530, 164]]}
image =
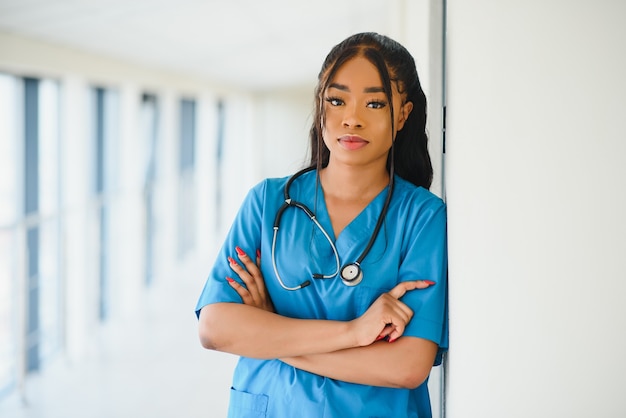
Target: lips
{"points": [[352, 142]]}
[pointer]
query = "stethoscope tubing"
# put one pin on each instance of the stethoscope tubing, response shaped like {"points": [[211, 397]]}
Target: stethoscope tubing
{"points": [[353, 269]]}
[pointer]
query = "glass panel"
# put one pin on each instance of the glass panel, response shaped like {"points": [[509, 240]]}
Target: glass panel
{"points": [[31, 213], [10, 206], [149, 127], [186, 213], [187, 133], [105, 136], [9, 131], [186, 189], [8, 346], [48, 148], [49, 205], [49, 290], [99, 158]]}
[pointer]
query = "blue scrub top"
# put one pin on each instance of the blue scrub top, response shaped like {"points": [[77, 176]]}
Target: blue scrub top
{"points": [[411, 245]]}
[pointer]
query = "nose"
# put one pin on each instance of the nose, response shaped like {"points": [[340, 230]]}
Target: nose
{"points": [[352, 117]]}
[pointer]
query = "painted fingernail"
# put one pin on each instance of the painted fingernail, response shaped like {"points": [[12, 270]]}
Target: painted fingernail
{"points": [[392, 339], [429, 282], [230, 280], [258, 253], [231, 260], [239, 251], [380, 337]]}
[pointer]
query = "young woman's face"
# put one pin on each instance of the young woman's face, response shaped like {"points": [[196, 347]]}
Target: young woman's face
{"points": [[358, 123]]}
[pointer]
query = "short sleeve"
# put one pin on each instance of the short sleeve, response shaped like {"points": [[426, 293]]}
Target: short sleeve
{"points": [[245, 232], [426, 259]]}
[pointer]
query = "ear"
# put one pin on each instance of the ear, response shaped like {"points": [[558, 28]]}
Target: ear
{"points": [[405, 111]]}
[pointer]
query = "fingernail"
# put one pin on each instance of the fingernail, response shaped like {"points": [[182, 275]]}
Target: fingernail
{"points": [[429, 282], [380, 337], [258, 253], [231, 260], [229, 280], [239, 251], [392, 339]]}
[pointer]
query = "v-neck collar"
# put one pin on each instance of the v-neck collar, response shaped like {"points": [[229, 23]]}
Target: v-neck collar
{"points": [[360, 228]]}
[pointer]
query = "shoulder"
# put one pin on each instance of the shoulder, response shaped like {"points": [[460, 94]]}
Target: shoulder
{"points": [[407, 195], [272, 187], [416, 208], [269, 185], [298, 182]]}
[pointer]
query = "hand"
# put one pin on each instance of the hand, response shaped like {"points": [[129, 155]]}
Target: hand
{"points": [[387, 317], [254, 293]]}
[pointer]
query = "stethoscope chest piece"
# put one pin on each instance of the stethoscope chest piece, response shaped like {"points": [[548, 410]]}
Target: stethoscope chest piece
{"points": [[351, 274]]}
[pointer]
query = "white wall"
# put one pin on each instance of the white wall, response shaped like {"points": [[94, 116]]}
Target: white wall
{"points": [[536, 201]]}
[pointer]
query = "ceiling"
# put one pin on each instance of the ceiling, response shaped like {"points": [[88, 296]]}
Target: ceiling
{"points": [[254, 44]]}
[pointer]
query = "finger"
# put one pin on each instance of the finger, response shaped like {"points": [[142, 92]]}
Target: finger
{"points": [[253, 268], [244, 275], [241, 272], [401, 288], [396, 309], [241, 290], [384, 333], [392, 337], [247, 261], [395, 333], [393, 330], [251, 276], [401, 316], [398, 316]]}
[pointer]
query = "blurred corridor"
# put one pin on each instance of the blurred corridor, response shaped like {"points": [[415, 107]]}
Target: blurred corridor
{"points": [[121, 167]]}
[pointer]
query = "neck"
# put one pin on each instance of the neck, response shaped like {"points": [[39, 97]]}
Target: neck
{"points": [[353, 183]]}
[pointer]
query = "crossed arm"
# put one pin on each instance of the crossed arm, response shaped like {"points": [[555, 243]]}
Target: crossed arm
{"points": [[367, 350]]}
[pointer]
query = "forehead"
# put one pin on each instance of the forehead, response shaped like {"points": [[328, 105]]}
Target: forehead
{"points": [[356, 71]]}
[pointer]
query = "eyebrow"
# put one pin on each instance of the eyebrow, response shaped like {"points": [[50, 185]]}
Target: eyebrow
{"points": [[343, 87]]}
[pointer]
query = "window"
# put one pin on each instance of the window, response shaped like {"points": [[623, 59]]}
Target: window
{"points": [[186, 191], [30, 292], [41, 220], [10, 196], [149, 131], [105, 107], [50, 247]]}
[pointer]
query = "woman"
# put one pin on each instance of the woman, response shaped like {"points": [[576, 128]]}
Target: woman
{"points": [[342, 311]]}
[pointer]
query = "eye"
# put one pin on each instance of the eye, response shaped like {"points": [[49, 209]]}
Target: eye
{"points": [[334, 101], [376, 104]]}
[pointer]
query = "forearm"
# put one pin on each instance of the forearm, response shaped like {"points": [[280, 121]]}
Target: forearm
{"points": [[251, 332], [404, 363]]}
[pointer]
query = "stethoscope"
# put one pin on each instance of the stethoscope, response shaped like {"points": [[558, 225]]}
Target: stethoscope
{"points": [[351, 274]]}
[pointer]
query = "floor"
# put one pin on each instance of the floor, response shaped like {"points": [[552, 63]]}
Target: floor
{"points": [[147, 365]]}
